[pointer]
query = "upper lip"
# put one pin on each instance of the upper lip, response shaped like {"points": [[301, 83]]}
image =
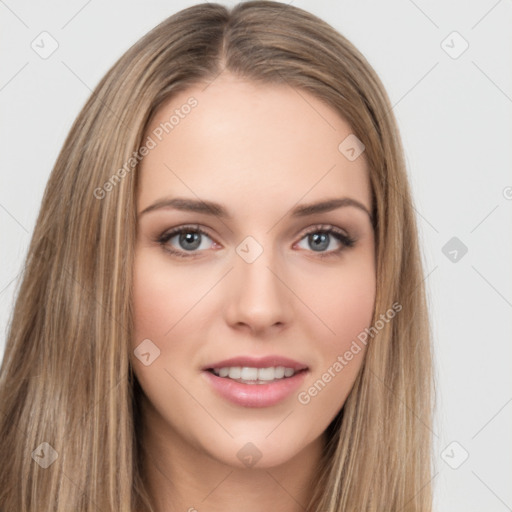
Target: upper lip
{"points": [[257, 362]]}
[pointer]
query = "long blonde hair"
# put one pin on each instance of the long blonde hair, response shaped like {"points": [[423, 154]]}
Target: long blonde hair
{"points": [[66, 378]]}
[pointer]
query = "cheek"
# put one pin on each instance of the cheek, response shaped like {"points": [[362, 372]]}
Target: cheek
{"points": [[344, 302], [160, 299], [162, 295], [350, 307], [152, 302]]}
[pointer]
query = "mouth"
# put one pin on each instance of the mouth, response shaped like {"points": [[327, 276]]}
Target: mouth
{"points": [[252, 382]]}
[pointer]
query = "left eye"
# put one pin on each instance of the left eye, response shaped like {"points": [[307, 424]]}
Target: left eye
{"points": [[319, 237], [320, 240], [190, 240]]}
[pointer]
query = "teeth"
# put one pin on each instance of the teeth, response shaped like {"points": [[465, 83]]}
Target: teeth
{"points": [[279, 372], [250, 375], [266, 373], [235, 372]]}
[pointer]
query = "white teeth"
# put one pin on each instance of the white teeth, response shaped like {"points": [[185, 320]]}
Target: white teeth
{"points": [[235, 372], [266, 374], [279, 372], [251, 375]]}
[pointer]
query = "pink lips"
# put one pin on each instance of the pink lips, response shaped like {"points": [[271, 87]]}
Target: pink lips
{"points": [[256, 395]]}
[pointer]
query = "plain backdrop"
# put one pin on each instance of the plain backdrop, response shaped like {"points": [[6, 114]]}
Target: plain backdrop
{"points": [[454, 109]]}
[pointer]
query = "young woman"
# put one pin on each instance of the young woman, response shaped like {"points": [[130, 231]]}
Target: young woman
{"points": [[223, 302]]}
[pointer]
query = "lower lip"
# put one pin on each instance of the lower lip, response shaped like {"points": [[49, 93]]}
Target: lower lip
{"points": [[255, 395]]}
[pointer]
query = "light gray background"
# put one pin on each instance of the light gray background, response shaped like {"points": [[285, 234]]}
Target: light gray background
{"points": [[455, 118]]}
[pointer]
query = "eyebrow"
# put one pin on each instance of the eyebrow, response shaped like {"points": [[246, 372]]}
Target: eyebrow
{"points": [[217, 210]]}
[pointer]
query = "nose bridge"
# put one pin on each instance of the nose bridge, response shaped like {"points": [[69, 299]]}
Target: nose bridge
{"points": [[259, 297]]}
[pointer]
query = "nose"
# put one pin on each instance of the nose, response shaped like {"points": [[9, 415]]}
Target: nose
{"points": [[259, 298]]}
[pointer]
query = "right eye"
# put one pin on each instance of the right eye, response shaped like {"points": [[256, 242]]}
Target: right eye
{"points": [[189, 239]]}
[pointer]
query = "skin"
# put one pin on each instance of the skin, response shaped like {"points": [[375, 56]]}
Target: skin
{"points": [[259, 151]]}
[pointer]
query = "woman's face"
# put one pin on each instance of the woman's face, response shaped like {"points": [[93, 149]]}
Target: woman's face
{"points": [[264, 281]]}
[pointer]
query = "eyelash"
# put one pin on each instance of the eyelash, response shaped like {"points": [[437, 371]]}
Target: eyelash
{"points": [[345, 240]]}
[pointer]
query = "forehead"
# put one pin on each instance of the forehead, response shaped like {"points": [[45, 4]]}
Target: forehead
{"points": [[247, 144]]}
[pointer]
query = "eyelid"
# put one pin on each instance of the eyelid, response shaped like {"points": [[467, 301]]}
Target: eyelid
{"points": [[324, 227]]}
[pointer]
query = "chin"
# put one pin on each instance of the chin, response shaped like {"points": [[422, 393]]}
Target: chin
{"points": [[259, 451]]}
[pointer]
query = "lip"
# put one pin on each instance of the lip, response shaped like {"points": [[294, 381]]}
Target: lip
{"points": [[255, 395], [258, 362]]}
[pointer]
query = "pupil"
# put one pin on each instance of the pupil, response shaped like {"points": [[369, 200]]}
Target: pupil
{"points": [[320, 241], [192, 238]]}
